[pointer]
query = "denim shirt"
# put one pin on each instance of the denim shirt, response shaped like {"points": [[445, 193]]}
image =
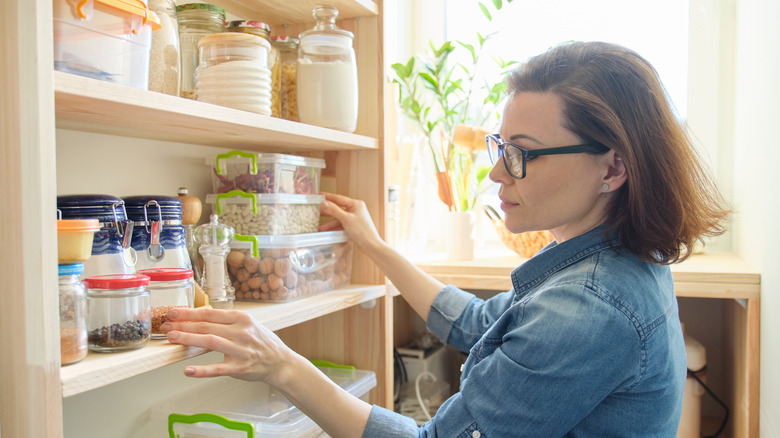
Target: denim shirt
{"points": [[587, 344]]}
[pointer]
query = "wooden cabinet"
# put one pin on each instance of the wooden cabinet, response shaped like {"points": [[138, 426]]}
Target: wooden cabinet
{"points": [[45, 114]]}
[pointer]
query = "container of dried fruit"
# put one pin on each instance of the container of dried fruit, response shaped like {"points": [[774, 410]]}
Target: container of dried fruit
{"points": [[168, 288], [265, 173], [119, 312], [267, 214], [288, 267]]}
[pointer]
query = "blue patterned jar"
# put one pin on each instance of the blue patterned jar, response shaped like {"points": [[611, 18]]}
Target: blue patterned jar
{"points": [[111, 246], [158, 234]]}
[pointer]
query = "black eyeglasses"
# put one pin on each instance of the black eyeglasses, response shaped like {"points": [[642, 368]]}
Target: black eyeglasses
{"points": [[515, 157]]}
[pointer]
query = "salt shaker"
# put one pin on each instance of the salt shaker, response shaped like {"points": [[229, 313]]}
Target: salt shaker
{"points": [[213, 241]]}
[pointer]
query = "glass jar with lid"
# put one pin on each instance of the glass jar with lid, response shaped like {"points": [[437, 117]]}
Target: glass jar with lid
{"points": [[288, 60], [119, 312], [233, 72], [164, 57], [263, 30], [168, 288], [73, 314], [196, 20], [327, 88]]}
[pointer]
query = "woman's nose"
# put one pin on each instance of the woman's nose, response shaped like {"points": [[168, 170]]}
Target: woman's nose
{"points": [[498, 173]]}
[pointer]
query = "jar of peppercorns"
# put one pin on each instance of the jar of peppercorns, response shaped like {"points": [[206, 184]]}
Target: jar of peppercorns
{"points": [[169, 288], [119, 312], [73, 314]]}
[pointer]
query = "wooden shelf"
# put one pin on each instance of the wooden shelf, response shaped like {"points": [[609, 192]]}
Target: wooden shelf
{"points": [[279, 13], [717, 275], [98, 370], [86, 104]]}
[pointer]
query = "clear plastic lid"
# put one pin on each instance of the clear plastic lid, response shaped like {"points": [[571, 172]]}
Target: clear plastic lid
{"points": [[214, 233]]}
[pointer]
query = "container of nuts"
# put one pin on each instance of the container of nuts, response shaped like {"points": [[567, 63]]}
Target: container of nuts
{"points": [[265, 173], [119, 315], [267, 214], [287, 267]]}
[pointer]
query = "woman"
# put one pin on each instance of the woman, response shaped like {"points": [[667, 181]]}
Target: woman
{"points": [[588, 342]]}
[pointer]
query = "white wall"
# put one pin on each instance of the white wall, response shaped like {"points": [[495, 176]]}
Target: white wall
{"points": [[757, 179]]}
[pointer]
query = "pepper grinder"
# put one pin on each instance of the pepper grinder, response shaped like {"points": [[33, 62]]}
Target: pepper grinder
{"points": [[213, 241], [191, 208]]}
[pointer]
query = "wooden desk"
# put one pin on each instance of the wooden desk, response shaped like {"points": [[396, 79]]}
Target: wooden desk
{"points": [[710, 276]]}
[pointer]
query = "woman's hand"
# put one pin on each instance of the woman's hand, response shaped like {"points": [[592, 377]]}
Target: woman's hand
{"points": [[350, 215], [252, 352]]}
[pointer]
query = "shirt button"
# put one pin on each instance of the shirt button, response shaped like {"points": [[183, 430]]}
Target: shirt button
{"points": [[476, 434]]}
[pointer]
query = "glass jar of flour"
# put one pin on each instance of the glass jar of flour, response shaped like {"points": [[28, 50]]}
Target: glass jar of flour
{"points": [[327, 87]]}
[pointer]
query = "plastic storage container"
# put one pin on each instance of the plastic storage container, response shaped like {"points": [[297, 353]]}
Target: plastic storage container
{"points": [[159, 238], [253, 405], [74, 239], [73, 314], [112, 252], [265, 173], [288, 60], [326, 80], [233, 71], [168, 288], [268, 214], [283, 268], [196, 20], [119, 313], [108, 40]]}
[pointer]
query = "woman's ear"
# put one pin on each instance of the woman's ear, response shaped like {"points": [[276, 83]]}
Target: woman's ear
{"points": [[616, 172]]}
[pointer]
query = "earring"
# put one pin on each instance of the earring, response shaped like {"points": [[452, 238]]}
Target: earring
{"points": [[605, 187]]}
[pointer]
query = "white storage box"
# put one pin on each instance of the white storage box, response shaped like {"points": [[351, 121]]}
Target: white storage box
{"points": [[108, 40], [265, 173], [283, 268], [244, 405], [268, 214]]}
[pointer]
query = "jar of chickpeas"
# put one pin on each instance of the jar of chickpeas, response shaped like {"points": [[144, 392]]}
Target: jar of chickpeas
{"points": [[288, 59]]}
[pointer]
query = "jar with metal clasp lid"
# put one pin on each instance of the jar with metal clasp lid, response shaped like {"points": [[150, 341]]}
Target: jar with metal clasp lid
{"points": [[112, 251], [327, 80], [288, 60], [196, 20], [119, 312], [73, 314], [159, 238], [263, 30]]}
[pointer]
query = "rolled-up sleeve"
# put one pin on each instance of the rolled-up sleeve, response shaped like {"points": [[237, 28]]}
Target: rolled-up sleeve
{"points": [[447, 307], [388, 424]]}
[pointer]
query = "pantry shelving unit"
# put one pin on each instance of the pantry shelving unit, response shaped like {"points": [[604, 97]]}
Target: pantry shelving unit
{"points": [[41, 110]]}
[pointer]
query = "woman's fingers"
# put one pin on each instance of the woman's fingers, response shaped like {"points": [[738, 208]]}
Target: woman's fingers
{"points": [[211, 342], [216, 316]]}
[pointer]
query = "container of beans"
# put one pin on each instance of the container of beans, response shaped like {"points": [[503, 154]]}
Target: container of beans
{"points": [[73, 314], [288, 267], [267, 214], [265, 173], [119, 312], [168, 288]]}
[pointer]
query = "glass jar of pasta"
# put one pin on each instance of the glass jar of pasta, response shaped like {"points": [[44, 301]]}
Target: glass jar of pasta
{"points": [[288, 59]]}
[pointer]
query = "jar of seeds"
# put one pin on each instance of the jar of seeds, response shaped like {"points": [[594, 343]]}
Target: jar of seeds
{"points": [[169, 288], [119, 312]]}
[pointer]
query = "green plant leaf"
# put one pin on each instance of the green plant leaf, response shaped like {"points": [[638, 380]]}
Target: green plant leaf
{"points": [[497, 4], [485, 11]]}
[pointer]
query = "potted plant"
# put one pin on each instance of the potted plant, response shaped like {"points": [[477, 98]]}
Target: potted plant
{"points": [[439, 95]]}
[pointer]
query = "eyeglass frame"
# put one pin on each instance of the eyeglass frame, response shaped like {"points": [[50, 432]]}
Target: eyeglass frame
{"points": [[525, 153]]}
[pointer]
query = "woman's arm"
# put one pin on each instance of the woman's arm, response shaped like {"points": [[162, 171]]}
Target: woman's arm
{"points": [[254, 353], [417, 288]]}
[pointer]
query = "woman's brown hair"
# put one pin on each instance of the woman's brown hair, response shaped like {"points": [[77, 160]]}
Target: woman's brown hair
{"points": [[614, 97]]}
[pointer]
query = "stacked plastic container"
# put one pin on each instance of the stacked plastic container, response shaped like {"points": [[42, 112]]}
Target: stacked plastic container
{"points": [[229, 408], [272, 202]]}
